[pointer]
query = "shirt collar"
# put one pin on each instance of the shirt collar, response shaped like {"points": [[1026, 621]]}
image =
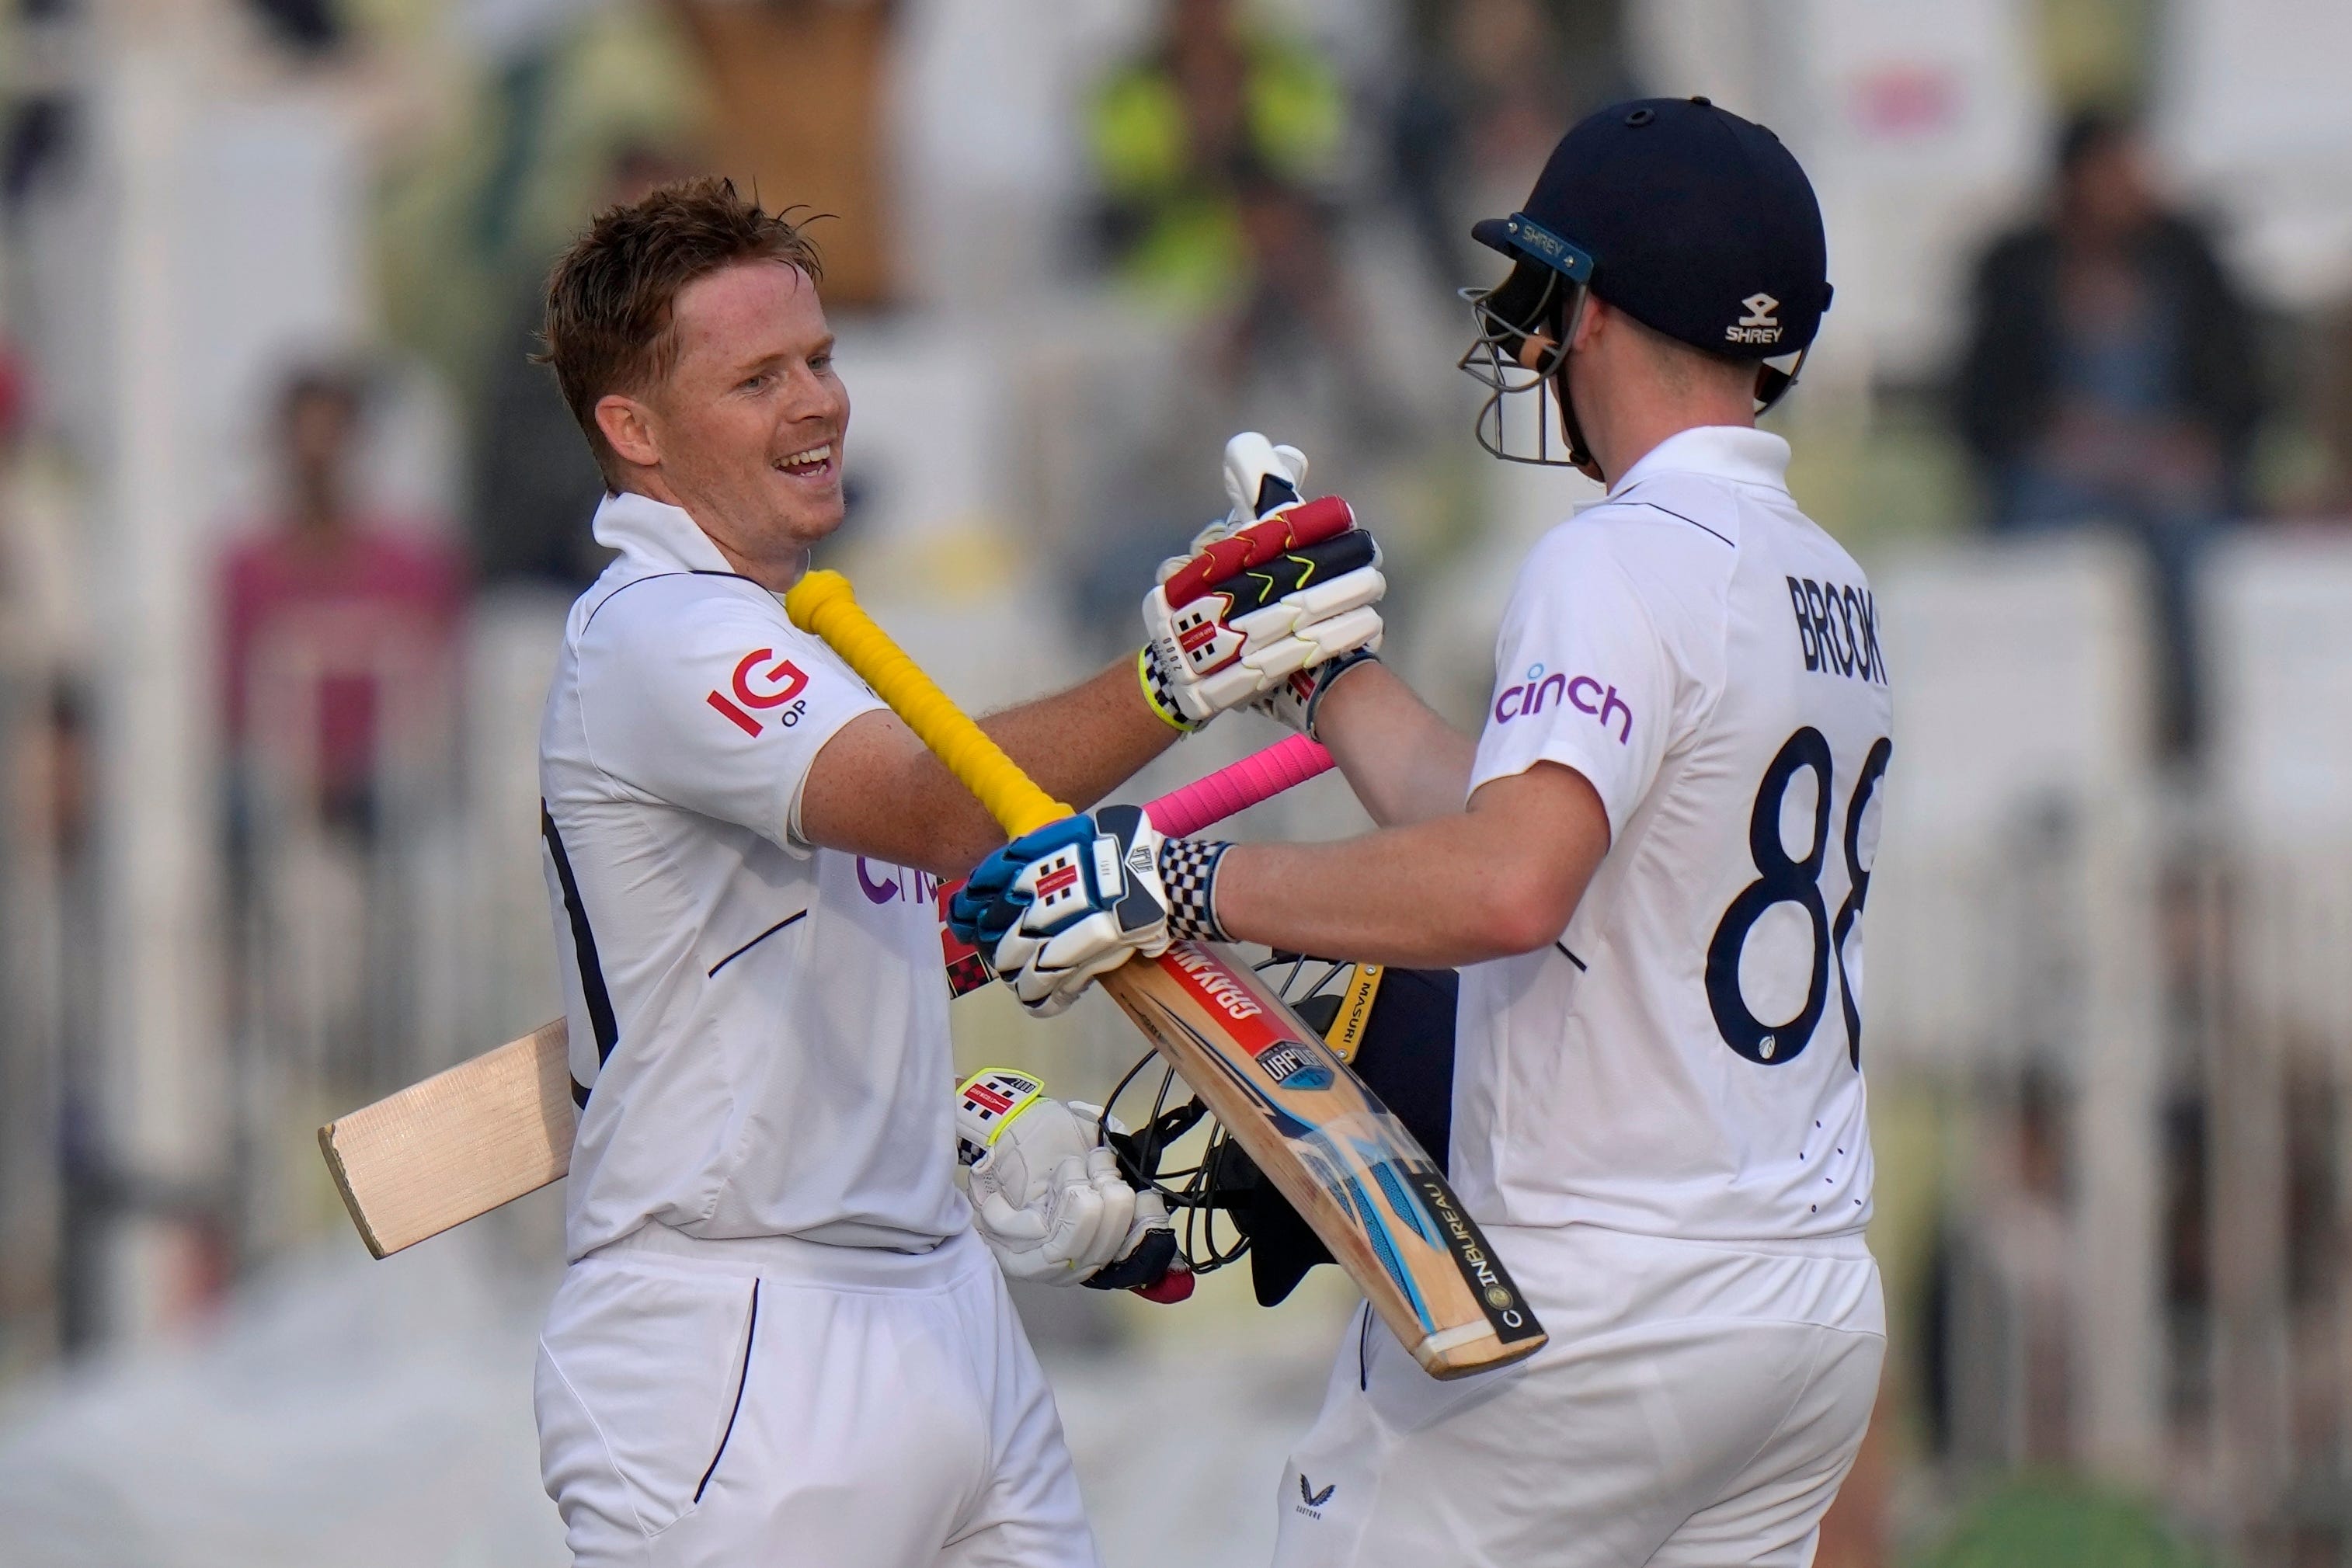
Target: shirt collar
{"points": [[654, 536], [1736, 453]]}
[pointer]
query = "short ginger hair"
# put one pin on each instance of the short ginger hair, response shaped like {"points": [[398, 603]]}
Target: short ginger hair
{"points": [[608, 327]]}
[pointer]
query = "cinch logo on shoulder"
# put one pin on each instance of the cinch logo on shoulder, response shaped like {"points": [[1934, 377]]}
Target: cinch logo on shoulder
{"points": [[1760, 325], [1581, 693], [1837, 628], [779, 686]]}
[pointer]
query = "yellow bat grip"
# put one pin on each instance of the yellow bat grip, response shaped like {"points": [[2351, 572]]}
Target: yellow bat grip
{"points": [[822, 604]]}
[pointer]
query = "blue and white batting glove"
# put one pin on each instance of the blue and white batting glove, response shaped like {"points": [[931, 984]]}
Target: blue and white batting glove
{"points": [[1059, 907]]}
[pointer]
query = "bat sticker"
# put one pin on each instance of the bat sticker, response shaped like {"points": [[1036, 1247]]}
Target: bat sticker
{"points": [[1289, 1065]]}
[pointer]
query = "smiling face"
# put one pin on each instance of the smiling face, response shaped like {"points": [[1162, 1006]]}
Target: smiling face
{"points": [[745, 430]]}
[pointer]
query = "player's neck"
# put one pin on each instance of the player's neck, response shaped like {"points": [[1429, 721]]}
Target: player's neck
{"points": [[775, 568], [1628, 429]]}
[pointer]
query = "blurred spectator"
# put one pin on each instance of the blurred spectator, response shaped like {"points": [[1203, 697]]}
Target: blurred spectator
{"points": [[2331, 495], [1176, 134], [2110, 375], [309, 27], [535, 485], [44, 617], [40, 115], [1297, 331], [1487, 96], [825, 137], [343, 614]]}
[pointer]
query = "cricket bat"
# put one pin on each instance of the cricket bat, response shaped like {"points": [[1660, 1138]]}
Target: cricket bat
{"points": [[1373, 1194], [487, 1131]]}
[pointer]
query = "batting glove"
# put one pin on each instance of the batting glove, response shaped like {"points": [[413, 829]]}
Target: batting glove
{"points": [[1145, 1258], [1047, 1196], [1258, 606], [1294, 703], [1253, 603], [1261, 479], [1059, 907]]}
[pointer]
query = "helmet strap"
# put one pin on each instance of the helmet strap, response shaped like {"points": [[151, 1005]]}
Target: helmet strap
{"points": [[1579, 454]]}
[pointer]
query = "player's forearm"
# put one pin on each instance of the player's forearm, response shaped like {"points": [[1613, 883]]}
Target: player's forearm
{"points": [[876, 790], [1425, 897], [1501, 878], [1404, 763], [1082, 744]]}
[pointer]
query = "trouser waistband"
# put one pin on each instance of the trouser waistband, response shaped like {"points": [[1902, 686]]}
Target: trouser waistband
{"points": [[796, 1257]]}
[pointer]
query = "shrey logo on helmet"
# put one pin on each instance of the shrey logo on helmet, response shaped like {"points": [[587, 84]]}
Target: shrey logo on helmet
{"points": [[1760, 325]]}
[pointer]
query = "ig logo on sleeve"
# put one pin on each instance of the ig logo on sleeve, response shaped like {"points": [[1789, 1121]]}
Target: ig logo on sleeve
{"points": [[757, 690]]}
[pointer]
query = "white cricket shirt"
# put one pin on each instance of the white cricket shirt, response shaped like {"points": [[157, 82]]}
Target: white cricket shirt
{"points": [[759, 1029], [1685, 1059]]}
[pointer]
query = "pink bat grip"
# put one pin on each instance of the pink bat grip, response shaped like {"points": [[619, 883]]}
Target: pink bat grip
{"points": [[1261, 775]]}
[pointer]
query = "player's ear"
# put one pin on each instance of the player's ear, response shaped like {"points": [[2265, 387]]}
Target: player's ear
{"points": [[628, 429], [1595, 320]]}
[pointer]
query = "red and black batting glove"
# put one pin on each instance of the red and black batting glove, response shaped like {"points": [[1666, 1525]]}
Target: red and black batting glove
{"points": [[1236, 621]]}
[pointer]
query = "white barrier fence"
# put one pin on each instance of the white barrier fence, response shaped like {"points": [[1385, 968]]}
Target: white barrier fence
{"points": [[2132, 989]]}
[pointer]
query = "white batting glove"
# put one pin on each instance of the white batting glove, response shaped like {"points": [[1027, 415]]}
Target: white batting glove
{"points": [[1046, 1194], [1148, 1251]]}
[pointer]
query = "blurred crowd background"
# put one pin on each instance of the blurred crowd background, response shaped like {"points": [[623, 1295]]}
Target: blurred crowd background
{"points": [[288, 524]]}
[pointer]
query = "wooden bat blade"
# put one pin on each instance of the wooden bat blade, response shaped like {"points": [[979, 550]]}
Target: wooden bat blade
{"points": [[490, 1130], [458, 1144], [1372, 1192]]}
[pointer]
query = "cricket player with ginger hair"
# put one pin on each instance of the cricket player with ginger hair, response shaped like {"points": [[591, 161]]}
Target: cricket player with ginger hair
{"points": [[1651, 866], [784, 1336]]}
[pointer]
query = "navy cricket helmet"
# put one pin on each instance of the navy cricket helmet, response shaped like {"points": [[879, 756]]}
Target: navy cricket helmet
{"points": [[1697, 224]]}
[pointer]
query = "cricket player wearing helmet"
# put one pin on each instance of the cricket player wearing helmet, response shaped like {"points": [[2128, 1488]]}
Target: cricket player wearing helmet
{"points": [[1651, 866], [784, 1337]]}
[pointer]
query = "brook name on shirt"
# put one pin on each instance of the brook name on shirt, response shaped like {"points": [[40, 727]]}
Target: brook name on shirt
{"points": [[1837, 627]]}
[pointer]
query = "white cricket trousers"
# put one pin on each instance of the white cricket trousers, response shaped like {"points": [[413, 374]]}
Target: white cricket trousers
{"points": [[774, 1403], [1697, 1407]]}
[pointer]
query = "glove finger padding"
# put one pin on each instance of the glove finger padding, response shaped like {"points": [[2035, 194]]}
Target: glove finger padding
{"points": [[1047, 1196], [1260, 606], [1325, 616], [1049, 977], [1054, 1243], [1113, 1210], [1004, 1226], [1293, 528], [982, 909], [1075, 1220], [1033, 882], [1147, 1252]]}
